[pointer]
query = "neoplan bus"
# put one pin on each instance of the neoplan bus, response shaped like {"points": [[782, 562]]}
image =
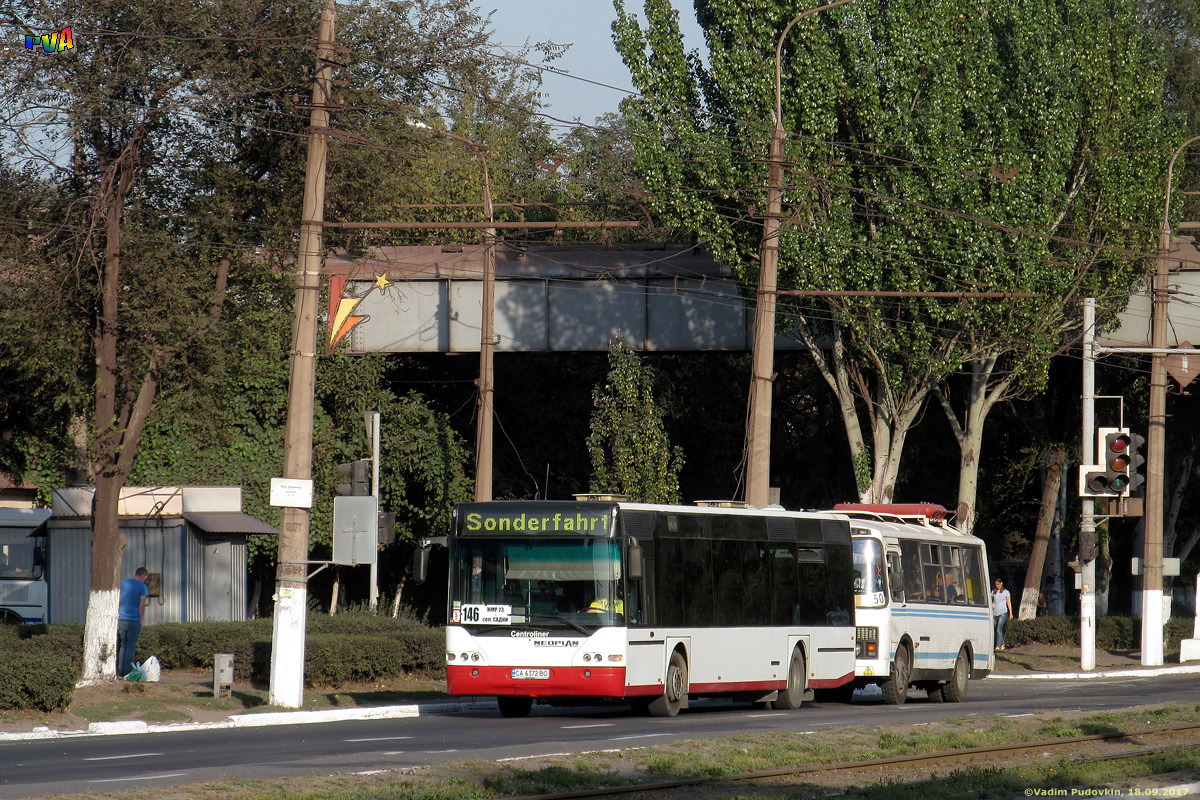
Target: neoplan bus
{"points": [[648, 605], [922, 607]]}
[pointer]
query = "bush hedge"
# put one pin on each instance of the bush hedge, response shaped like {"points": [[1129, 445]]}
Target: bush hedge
{"points": [[338, 649], [1112, 633], [39, 665]]}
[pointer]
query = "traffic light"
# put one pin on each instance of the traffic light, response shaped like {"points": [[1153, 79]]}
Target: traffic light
{"points": [[1136, 460], [1112, 477], [387, 527], [1088, 549], [359, 473]]}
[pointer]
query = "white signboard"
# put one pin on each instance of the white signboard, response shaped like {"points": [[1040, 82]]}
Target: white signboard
{"points": [[291, 492]]}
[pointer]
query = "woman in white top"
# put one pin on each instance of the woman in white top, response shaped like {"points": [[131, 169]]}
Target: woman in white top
{"points": [[1001, 611]]}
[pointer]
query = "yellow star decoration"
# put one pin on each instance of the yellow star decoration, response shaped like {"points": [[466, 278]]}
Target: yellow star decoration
{"points": [[381, 282]]}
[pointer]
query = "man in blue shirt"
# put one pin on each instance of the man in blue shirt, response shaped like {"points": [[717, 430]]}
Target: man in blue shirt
{"points": [[131, 609]]}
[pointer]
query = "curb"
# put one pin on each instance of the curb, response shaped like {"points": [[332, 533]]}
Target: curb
{"points": [[1121, 672], [271, 718]]}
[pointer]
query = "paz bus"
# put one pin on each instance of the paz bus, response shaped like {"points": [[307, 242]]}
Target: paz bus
{"points": [[648, 605], [23, 590], [921, 601]]}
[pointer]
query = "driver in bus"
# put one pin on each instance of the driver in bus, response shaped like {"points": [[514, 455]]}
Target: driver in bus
{"points": [[601, 604]]}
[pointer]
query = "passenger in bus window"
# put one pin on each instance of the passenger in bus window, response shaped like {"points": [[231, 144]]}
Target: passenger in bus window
{"points": [[952, 593]]}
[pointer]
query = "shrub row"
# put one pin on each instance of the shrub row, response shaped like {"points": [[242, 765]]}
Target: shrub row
{"points": [[337, 649], [39, 665], [1112, 633]]}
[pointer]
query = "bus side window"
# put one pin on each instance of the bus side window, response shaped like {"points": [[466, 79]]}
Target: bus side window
{"points": [[894, 573]]}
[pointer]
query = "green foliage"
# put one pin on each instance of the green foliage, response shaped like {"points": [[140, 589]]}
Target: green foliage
{"points": [[37, 670], [338, 649], [1112, 633], [628, 444], [1020, 164]]}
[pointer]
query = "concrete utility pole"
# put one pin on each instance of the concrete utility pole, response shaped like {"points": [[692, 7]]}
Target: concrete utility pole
{"points": [[487, 346], [291, 585], [1087, 520], [1156, 438], [758, 424]]}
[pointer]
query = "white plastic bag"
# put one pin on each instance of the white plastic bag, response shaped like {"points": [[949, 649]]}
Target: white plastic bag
{"points": [[151, 670]]}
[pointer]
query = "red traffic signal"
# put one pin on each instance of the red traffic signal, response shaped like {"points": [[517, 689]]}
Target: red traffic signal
{"points": [[1112, 477]]}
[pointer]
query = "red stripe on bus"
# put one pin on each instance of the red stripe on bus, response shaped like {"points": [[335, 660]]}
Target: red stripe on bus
{"points": [[736, 686], [563, 681], [830, 683]]}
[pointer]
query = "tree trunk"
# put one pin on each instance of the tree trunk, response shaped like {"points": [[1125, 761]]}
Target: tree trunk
{"points": [[396, 600], [337, 588], [100, 624], [1041, 537], [1056, 594]]}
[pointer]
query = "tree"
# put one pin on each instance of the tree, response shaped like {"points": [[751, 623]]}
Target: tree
{"points": [[169, 132], [628, 444], [982, 174]]}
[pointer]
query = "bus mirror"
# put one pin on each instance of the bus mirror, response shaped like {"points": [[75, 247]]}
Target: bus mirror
{"points": [[39, 556], [421, 565], [633, 563]]}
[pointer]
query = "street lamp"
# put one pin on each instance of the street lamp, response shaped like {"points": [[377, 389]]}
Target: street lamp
{"points": [[758, 433], [487, 339], [1152, 554]]}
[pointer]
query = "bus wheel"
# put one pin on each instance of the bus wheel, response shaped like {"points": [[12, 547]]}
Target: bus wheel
{"points": [[955, 689], [793, 695], [511, 706], [895, 689], [669, 703]]}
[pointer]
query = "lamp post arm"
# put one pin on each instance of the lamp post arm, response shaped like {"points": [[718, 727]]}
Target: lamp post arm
{"points": [[779, 53]]}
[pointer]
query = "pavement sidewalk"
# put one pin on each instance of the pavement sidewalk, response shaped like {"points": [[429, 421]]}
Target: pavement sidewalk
{"points": [[135, 705]]}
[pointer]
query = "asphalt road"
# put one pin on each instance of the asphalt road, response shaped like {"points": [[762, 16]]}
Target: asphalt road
{"points": [[88, 764]]}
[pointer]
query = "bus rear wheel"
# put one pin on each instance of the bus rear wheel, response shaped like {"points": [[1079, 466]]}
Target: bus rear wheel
{"points": [[955, 689], [793, 695], [676, 689], [514, 706], [895, 689]]}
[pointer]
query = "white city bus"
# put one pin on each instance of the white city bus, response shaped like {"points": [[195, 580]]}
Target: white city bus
{"points": [[922, 605], [648, 605]]}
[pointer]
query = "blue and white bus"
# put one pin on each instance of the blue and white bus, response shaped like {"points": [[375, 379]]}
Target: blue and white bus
{"points": [[647, 605], [23, 591], [922, 605]]}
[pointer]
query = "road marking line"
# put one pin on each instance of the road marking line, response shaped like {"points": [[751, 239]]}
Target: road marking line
{"points": [[116, 758], [597, 725], [639, 736], [140, 778], [544, 755], [378, 739]]}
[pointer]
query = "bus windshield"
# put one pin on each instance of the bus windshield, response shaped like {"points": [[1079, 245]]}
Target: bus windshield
{"points": [[870, 575], [564, 582], [17, 559]]}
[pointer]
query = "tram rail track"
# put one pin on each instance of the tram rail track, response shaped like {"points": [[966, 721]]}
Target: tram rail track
{"points": [[940, 757]]}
